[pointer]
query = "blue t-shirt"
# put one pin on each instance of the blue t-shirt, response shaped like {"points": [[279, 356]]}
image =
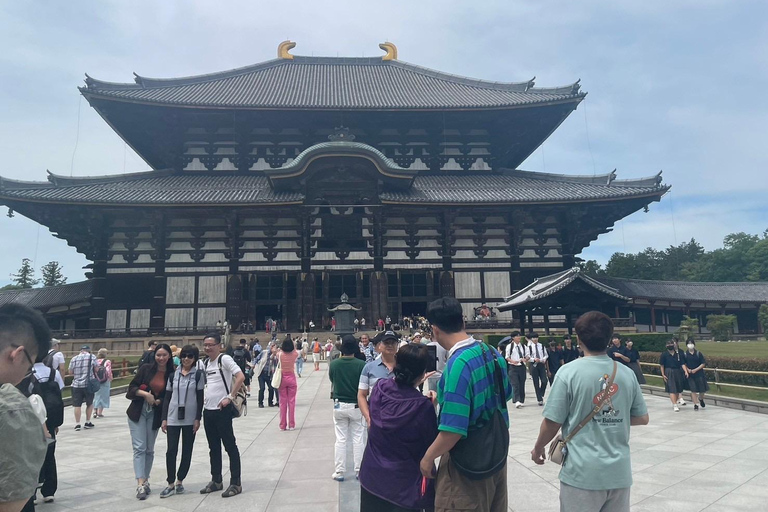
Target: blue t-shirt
{"points": [[598, 455]]}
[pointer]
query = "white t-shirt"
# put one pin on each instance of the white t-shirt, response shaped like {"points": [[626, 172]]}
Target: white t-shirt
{"points": [[214, 387], [43, 373], [58, 359]]}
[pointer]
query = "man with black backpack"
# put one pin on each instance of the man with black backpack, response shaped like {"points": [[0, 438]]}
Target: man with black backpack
{"points": [[473, 439], [47, 382], [243, 358]]}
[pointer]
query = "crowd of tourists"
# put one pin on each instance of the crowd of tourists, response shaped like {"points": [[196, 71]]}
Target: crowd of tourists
{"points": [[397, 428]]}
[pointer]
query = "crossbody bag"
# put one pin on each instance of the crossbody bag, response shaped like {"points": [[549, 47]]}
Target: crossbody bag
{"points": [[558, 449]]}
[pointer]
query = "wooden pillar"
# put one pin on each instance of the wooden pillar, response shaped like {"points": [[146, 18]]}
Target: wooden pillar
{"points": [[665, 319], [546, 323], [159, 283], [521, 313], [234, 300], [722, 309], [616, 312], [653, 317], [447, 284], [568, 323], [759, 325], [306, 296], [378, 242], [530, 321]]}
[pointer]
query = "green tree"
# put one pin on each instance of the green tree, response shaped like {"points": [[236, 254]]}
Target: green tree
{"points": [[52, 275], [10, 287], [591, 267], [762, 316], [687, 327], [25, 277], [721, 326]]}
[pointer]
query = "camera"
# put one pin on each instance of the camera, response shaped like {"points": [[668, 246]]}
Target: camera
{"points": [[182, 412]]}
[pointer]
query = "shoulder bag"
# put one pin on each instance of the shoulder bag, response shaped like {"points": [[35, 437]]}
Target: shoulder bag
{"points": [[239, 406], [558, 449], [277, 377], [484, 451]]}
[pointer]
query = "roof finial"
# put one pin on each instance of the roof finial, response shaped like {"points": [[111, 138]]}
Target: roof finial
{"points": [[283, 48], [391, 50]]}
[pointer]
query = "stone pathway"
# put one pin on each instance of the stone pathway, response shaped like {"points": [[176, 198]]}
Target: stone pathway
{"points": [[714, 459]]}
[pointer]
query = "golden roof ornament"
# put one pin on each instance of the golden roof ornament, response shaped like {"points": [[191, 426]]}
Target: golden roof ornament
{"points": [[283, 48], [391, 50]]}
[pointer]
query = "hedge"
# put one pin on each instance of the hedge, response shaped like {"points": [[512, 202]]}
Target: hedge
{"points": [[643, 342], [729, 363]]}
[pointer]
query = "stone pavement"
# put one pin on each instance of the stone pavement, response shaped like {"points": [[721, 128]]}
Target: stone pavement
{"points": [[715, 459]]}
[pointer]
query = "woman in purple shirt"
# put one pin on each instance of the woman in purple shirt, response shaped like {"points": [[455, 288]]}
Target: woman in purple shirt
{"points": [[403, 425]]}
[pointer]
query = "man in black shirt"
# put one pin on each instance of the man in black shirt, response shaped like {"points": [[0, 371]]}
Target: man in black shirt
{"points": [[570, 353], [243, 357], [554, 361]]}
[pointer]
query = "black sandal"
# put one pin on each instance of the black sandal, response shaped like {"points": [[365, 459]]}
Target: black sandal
{"points": [[212, 487]]}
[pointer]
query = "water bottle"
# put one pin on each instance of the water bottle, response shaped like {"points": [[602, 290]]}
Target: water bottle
{"points": [[336, 403]]}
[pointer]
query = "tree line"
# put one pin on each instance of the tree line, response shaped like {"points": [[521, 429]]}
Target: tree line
{"points": [[51, 275], [743, 257]]}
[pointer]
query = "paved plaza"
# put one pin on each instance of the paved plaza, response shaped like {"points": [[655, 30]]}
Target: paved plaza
{"points": [[714, 459]]}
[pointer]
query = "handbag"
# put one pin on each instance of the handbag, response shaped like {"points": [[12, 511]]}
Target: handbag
{"points": [[558, 449], [484, 451], [92, 385], [239, 406], [277, 377]]}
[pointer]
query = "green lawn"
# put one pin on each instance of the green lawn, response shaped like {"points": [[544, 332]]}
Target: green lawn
{"points": [[749, 394], [734, 349]]}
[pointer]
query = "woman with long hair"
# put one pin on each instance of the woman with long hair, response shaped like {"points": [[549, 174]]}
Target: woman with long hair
{"points": [[634, 360], [182, 412], [697, 381], [146, 393], [101, 399], [287, 390], [403, 425]]}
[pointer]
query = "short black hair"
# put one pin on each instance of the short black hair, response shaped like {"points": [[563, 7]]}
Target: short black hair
{"points": [[446, 314], [515, 334], [595, 330], [566, 337], [243, 340], [287, 345], [18, 322], [349, 345], [410, 363], [151, 342], [214, 336], [533, 335]]}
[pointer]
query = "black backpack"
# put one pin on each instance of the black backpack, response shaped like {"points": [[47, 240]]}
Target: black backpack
{"points": [[239, 356], [48, 359], [51, 394]]}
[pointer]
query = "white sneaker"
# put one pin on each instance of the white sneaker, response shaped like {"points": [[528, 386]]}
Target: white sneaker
{"points": [[677, 409], [518, 405], [338, 477], [680, 401]]}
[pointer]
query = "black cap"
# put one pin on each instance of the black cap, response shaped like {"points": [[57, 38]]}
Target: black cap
{"points": [[386, 335]]}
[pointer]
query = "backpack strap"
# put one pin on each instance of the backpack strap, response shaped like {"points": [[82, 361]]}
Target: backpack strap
{"points": [[221, 371]]}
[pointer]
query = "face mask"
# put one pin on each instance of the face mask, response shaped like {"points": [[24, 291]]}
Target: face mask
{"points": [[691, 346]]}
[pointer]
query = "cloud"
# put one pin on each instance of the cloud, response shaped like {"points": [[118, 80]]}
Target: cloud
{"points": [[677, 86]]}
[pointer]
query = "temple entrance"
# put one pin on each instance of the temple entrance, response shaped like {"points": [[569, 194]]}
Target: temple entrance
{"points": [[413, 308], [267, 312]]}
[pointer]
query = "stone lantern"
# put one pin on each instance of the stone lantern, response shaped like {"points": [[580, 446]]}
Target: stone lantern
{"points": [[345, 316]]}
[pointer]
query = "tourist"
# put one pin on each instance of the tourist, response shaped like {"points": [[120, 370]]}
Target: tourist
{"points": [[264, 370], [356, 324], [388, 323], [243, 358], [24, 336], [616, 351], [328, 349], [302, 352], [676, 342], [362, 323], [697, 380], [417, 337], [380, 324], [554, 361], [470, 396], [674, 372], [537, 357], [55, 358], [101, 398], [403, 425], [317, 352], [344, 374], [288, 386], [367, 348], [149, 355], [333, 324], [310, 326], [223, 381], [570, 352], [82, 367], [634, 360], [381, 368], [47, 382], [175, 353], [182, 412], [146, 392], [517, 356], [335, 351], [597, 473]]}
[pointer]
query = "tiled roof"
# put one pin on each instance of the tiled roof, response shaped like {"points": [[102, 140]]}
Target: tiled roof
{"points": [[335, 83], [165, 187], [49, 296], [551, 284], [682, 291]]}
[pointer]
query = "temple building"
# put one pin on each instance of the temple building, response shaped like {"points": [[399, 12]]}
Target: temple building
{"points": [[277, 187]]}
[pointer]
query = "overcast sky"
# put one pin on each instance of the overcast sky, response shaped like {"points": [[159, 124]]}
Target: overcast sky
{"points": [[674, 86]]}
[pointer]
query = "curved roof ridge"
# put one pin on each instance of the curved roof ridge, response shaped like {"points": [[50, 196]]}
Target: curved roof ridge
{"points": [[690, 283], [142, 82], [597, 179], [11, 184], [342, 144], [63, 181]]}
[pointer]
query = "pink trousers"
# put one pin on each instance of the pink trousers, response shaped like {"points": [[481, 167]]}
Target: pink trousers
{"points": [[287, 393]]}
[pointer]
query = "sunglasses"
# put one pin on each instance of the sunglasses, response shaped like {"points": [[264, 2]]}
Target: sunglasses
{"points": [[187, 356]]}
